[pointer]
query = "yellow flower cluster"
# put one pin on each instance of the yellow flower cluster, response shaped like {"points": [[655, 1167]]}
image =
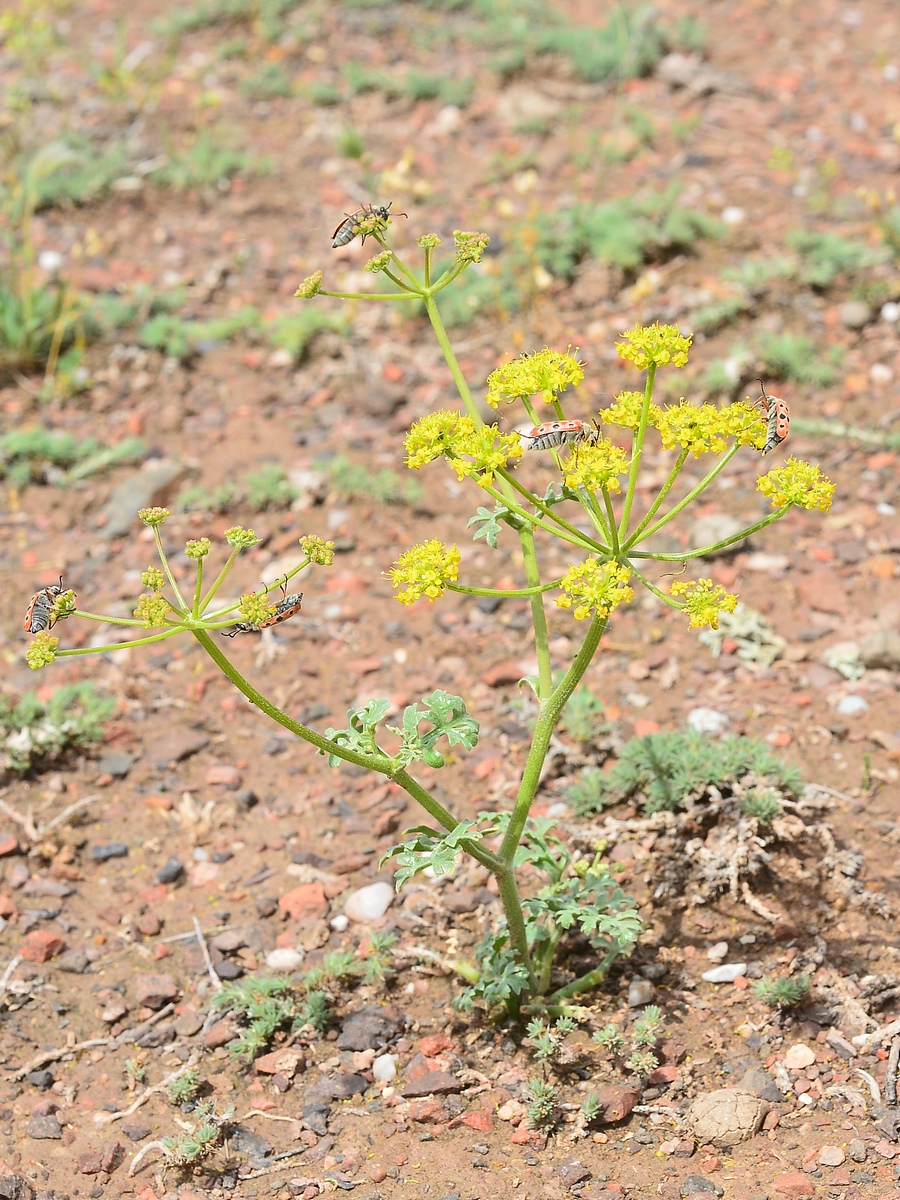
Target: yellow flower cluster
{"points": [[197, 547], [153, 516], [425, 570], [470, 247], [704, 429], [256, 607], [626, 409], [547, 372], [42, 650], [658, 344], [594, 586], [318, 550], [595, 467], [310, 286], [703, 601], [379, 262], [153, 577], [240, 538], [428, 241], [797, 482], [474, 452], [152, 610]]}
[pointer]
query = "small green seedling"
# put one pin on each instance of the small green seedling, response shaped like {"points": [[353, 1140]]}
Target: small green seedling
{"points": [[782, 993]]}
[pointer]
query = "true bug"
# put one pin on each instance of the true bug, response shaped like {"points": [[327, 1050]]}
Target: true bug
{"points": [[778, 419], [349, 228], [287, 607], [38, 618], [560, 433]]}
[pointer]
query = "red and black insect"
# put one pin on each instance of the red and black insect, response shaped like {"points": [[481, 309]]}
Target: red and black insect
{"points": [[287, 607], [40, 611], [560, 433], [349, 228], [778, 419]]}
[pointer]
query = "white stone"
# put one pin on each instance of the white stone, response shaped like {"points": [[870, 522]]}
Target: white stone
{"points": [[284, 959], [881, 373], [727, 973], [890, 312], [799, 1056], [339, 923], [717, 952], [384, 1068], [852, 705], [708, 720], [50, 260], [732, 215], [369, 903]]}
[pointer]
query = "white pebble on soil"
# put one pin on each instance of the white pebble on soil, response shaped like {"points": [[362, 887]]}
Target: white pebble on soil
{"points": [[727, 973], [369, 903], [284, 959], [707, 720], [384, 1068], [339, 923], [852, 705]]}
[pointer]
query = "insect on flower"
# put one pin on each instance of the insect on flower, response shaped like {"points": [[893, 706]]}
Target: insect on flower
{"points": [[349, 228], [38, 618], [287, 607], [778, 419], [560, 433]]}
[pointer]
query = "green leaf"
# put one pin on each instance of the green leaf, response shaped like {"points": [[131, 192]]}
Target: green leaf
{"points": [[433, 848], [490, 523], [449, 719], [361, 734]]}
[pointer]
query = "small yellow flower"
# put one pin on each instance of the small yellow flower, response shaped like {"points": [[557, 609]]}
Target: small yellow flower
{"points": [[63, 606], [153, 516], [797, 482], [310, 286], [546, 371], [152, 610], [659, 344], [318, 550], [596, 467], [485, 450], [153, 577], [699, 428], [42, 650], [379, 262], [746, 424], [437, 434], [256, 607], [240, 538], [470, 247], [197, 547], [626, 410], [428, 241], [703, 601], [425, 570], [594, 586]]}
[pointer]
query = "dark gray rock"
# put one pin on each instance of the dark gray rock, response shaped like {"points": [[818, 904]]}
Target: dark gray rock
{"points": [[171, 870], [117, 763], [437, 1083], [41, 1079], [110, 850], [176, 746], [245, 1141], [368, 1029], [572, 1171], [76, 962], [44, 1128], [698, 1183]]}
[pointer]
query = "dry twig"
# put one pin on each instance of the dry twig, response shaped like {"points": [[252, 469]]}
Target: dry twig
{"points": [[210, 969]]}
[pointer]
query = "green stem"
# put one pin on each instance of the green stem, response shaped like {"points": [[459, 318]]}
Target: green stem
{"points": [[729, 541], [660, 595], [399, 282], [586, 982], [168, 570], [637, 447], [195, 611], [371, 295], [548, 511], [538, 613], [220, 579], [686, 500], [452, 361], [580, 539], [78, 612], [664, 491], [507, 594], [156, 637], [611, 518], [515, 922]]}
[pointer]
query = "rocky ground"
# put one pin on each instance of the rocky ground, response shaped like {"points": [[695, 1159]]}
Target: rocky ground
{"points": [[200, 846]]}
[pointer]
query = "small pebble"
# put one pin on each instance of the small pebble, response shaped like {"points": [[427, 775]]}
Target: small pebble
{"points": [[799, 1056], [384, 1068], [340, 923], [708, 720], [727, 973], [640, 992], [110, 850], [369, 903], [852, 705], [285, 959], [890, 312], [717, 952], [172, 869]]}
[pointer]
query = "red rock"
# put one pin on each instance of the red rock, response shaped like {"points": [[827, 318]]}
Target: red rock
{"points": [[161, 803], [840, 1178], [644, 726], [480, 1120], [419, 1067], [7, 906], [9, 844], [307, 900], [664, 1075], [148, 924], [219, 1035], [155, 991], [285, 1061], [822, 591], [376, 1174], [224, 775], [365, 666], [161, 951], [793, 1183], [434, 1044], [523, 1136], [348, 863], [40, 945], [89, 1163], [503, 673], [616, 1103], [437, 1082], [429, 1112]]}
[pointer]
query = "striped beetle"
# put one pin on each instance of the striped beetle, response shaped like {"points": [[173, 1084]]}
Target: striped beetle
{"points": [[349, 227], [287, 607]]}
